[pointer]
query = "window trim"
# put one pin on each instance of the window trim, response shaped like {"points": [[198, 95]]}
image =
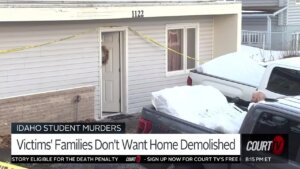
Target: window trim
{"points": [[183, 26]]}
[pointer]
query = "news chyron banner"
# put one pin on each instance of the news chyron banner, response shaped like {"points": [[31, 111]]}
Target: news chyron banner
{"points": [[108, 143]]}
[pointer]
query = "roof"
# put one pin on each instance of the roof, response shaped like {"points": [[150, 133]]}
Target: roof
{"points": [[268, 9], [291, 101], [262, 11], [259, 11], [105, 3], [289, 62], [70, 10], [290, 105]]}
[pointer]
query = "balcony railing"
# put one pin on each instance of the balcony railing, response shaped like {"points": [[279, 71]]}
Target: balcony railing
{"points": [[254, 38], [296, 41], [285, 41]]}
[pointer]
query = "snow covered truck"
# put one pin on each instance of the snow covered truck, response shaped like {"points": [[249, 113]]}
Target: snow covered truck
{"points": [[237, 78]]}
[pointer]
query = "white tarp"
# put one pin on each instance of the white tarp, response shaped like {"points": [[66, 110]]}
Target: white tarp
{"points": [[203, 105]]}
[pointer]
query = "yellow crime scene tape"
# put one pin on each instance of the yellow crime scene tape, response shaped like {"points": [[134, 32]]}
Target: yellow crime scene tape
{"points": [[151, 40], [145, 37], [4, 165], [5, 51]]}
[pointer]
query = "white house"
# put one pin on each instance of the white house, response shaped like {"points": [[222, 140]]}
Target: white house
{"points": [[53, 51], [276, 23]]}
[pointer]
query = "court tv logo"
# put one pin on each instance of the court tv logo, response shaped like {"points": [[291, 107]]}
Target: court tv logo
{"points": [[276, 146], [265, 148]]}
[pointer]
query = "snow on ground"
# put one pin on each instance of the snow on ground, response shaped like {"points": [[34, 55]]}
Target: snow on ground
{"points": [[203, 105], [260, 55]]}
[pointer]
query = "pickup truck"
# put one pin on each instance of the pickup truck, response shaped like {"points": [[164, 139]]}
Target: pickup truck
{"points": [[270, 117], [280, 78]]}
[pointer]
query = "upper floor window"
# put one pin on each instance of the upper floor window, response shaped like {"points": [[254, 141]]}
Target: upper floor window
{"points": [[182, 48]]}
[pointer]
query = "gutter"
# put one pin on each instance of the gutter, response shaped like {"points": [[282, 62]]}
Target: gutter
{"points": [[266, 15]]}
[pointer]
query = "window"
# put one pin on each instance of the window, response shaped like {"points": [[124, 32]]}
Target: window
{"points": [[269, 123], [284, 81], [182, 50]]}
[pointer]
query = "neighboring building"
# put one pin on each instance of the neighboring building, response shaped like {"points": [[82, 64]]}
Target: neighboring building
{"points": [[62, 80], [276, 23]]}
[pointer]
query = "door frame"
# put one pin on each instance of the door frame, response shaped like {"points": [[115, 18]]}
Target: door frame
{"points": [[123, 66]]}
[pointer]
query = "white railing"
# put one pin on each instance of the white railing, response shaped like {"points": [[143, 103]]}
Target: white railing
{"points": [[254, 38], [296, 41]]}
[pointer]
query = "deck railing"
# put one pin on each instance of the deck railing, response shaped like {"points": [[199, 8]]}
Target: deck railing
{"points": [[285, 41], [254, 38], [296, 41]]}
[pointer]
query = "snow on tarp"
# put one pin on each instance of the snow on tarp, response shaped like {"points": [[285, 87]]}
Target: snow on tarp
{"points": [[237, 66], [203, 105]]}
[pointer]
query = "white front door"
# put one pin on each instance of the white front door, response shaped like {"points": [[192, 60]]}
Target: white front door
{"points": [[111, 73]]}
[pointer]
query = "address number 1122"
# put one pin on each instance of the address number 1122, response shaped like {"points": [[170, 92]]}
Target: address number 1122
{"points": [[137, 13]]}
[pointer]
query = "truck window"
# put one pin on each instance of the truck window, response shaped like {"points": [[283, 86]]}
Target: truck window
{"points": [[269, 123], [284, 81]]}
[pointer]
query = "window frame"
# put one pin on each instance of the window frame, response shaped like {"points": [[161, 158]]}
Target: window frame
{"points": [[184, 27], [278, 68]]}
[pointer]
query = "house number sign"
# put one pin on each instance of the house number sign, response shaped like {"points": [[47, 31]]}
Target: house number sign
{"points": [[137, 13]]}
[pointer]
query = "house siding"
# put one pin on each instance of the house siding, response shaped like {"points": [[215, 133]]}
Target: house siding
{"points": [[251, 3], [293, 14], [147, 62], [259, 23], [75, 62], [62, 65]]}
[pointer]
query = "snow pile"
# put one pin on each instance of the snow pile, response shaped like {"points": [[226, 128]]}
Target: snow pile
{"points": [[199, 104], [234, 66], [260, 55]]}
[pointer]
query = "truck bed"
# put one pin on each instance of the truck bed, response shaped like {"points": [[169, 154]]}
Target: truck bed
{"points": [[165, 123], [230, 88]]}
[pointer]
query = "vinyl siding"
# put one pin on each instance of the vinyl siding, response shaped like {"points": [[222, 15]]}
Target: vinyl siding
{"points": [[147, 68], [293, 14], [250, 3], [69, 64], [282, 18], [74, 62], [254, 24], [259, 23]]}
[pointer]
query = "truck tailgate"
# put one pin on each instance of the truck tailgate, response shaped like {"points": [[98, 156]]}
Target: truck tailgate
{"points": [[229, 88]]}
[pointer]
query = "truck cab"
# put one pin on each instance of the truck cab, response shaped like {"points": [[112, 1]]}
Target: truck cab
{"points": [[281, 78]]}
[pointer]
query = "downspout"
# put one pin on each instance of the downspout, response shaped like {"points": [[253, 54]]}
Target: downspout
{"points": [[269, 32]]}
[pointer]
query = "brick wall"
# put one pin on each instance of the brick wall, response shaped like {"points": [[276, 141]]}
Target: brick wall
{"points": [[58, 106]]}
